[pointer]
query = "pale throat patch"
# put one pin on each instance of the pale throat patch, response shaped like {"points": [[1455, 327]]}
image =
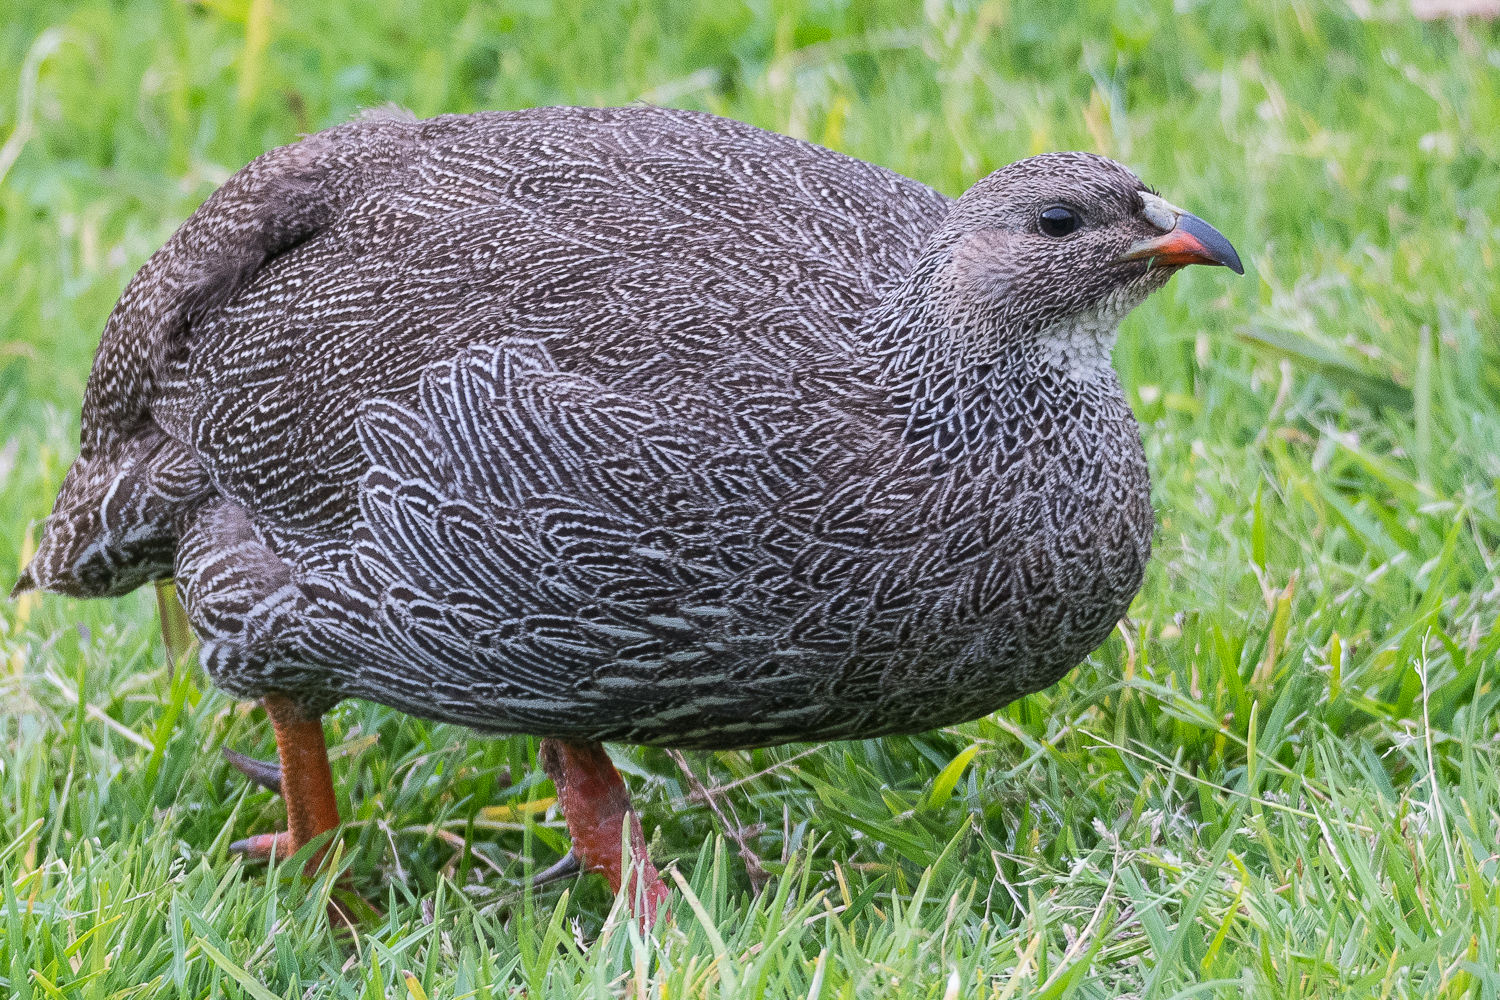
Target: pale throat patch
{"points": [[1079, 347]]}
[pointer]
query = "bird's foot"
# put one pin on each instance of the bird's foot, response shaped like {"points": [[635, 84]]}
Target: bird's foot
{"points": [[266, 774], [597, 807], [311, 810], [344, 908]]}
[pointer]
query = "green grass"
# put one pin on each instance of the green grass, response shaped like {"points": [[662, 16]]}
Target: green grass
{"points": [[1279, 779]]}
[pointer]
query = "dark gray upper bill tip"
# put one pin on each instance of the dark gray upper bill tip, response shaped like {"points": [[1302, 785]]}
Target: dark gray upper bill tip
{"points": [[1214, 243]]}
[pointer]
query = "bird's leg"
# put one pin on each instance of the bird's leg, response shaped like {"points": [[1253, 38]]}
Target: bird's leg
{"points": [[303, 779], [597, 807]]}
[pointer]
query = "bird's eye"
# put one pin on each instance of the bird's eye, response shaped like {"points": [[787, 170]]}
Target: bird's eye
{"points": [[1058, 221]]}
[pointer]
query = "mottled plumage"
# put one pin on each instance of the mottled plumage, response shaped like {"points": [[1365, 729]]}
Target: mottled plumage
{"points": [[629, 424]]}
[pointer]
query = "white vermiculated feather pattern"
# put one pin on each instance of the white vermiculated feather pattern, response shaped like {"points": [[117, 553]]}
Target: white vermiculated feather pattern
{"points": [[622, 424]]}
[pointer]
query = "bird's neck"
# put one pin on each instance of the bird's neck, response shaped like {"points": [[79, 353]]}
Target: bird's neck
{"points": [[951, 370]]}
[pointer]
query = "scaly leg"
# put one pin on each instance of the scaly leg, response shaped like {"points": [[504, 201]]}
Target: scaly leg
{"points": [[303, 779], [597, 806]]}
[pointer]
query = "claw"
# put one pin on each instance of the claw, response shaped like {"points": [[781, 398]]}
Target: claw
{"points": [[265, 773], [566, 867]]}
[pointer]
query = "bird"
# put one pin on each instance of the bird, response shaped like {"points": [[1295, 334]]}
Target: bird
{"points": [[623, 425]]}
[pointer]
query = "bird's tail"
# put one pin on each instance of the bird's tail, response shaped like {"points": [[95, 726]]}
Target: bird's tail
{"points": [[117, 519]]}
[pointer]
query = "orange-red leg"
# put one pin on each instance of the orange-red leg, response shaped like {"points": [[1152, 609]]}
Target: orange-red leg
{"points": [[597, 807], [306, 783]]}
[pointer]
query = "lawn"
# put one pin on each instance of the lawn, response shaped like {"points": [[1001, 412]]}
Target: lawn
{"points": [[1277, 778]]}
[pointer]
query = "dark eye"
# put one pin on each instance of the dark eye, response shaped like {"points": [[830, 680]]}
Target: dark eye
{"points": [[1059, 221]]}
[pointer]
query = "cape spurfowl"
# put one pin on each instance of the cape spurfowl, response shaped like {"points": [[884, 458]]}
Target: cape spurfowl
{"points": [[629, 425]]}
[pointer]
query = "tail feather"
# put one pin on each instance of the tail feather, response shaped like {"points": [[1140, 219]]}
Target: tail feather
{"points": [[118, 519], [24, 584]]}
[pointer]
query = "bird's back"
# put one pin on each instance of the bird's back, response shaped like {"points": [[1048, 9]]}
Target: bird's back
{"points": [[682, 256]]}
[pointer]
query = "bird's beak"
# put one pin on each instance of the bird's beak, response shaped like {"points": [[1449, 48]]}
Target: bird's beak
{"points": [[1187, 240]]}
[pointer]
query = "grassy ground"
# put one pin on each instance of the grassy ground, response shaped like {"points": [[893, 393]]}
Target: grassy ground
{"points": [[1278, 779]]}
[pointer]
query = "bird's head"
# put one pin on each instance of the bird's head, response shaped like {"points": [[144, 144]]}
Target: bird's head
{"points": [[1051, 252]]}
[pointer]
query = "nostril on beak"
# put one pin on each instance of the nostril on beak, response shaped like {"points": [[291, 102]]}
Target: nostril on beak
{"points": [[1159, 212]]}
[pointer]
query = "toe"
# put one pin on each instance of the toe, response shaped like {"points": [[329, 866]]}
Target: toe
{"points": [[265, 773], [260, 847], [567, 867]]}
